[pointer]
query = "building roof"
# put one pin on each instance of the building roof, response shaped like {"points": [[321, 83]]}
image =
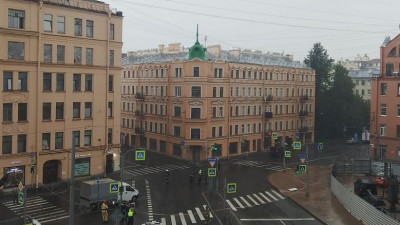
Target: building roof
{"points": [[197, 50], [363, 73]]}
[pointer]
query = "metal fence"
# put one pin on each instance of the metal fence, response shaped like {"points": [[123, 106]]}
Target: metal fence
{"points": [[354, 166], [358, 207]]}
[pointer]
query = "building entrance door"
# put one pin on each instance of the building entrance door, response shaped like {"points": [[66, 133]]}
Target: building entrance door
{"points": [[196, 154], [109, 163], [50, 171]]}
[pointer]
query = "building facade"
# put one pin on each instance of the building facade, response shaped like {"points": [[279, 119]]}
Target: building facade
{"points": [[185, 103], [60, 69], [385, 106]]}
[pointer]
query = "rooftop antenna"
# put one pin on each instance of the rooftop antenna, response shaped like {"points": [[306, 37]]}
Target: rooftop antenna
{"points": [[205, 41]]}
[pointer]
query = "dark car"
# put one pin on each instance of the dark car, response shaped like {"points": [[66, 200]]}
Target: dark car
{"points": [[362, 185], [374, 200]]}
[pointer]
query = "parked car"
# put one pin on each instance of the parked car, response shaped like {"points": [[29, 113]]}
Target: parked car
{"points": [[350, 141], [374, 200], [381, 181], [362, 185]]}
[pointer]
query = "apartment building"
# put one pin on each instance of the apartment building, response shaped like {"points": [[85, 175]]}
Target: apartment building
{"points": [[60, 69], [182, 102]]}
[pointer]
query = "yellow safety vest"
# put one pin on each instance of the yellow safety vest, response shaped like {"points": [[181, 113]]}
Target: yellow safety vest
{"points": [[104, 207], [130, 213]]}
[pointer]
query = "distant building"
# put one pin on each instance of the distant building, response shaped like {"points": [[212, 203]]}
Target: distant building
{"points": [[60, 65], [183, 101]]}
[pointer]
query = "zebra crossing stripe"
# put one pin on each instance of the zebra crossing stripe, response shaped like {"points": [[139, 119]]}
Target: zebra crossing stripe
{"points": [[258, 198], [16, 207], [182, 218], [204, 206], [50, 215], [265, 197], [245, 201], [231, 205], [276, 168], [173, 220], [37, 211], [279, 195], [270, 195], [251, 199], [191, 216], [199, 213], [240, 204], [163, 221], [51, 220], [46, 208]]}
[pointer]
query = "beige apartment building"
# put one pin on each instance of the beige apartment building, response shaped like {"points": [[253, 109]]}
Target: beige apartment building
{"points": [[60, 69], [182, 102]]}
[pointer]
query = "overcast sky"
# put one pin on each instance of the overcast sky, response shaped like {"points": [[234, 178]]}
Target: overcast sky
{"points": [[344, 27]]}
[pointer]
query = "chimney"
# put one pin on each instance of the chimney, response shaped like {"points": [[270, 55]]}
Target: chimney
{"points": [[215, 50], [161, 48], [235, 52]]}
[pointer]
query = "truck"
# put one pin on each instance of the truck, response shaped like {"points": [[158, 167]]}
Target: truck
{"points": [[94, 192], [365, 136]]}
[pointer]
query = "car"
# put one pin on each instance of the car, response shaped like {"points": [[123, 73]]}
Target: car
{"points": [[381, 181], [374, 200], [350, 141], [361, 186]]}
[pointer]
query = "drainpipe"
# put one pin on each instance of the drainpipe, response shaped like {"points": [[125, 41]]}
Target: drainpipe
{"points": [[37, 93]]}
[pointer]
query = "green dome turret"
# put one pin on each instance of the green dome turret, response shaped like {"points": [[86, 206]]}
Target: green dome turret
{"points": [[197, 50]]}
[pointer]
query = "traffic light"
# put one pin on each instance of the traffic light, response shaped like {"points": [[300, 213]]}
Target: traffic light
{"points": [[215, 147], [269, 133], [298, 169], [32, 170]]}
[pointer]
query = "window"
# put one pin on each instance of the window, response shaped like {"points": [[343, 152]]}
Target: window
{"points": [[213, 131], [7, 81], [110, 83], [110, 110], [23, 81], [48, 22], [89, 28], [76, 138], [221, 111], [46, 81], [59, 110], [21, 143], [60, 82], [16, 50], [77, 82], [221, 92], [89, 56], [88, 138], [195, 113], [88, 110], [220, 131], [214, 112], [389, 69], [7, 144], [78, 27], [218, 73], [16, 18], [382, 130], [109, 136], [398, 131], [383, 110], [195, 133], [196, 71], [178, 91], [112, 31], [60, 24], [178, 72], [398, 110], [76, 111], [398, 90], [7, 112], [383, 88], [46, 111], [177, 131], [111, 58], [59, 142], [22, 112], [196, 91], [60, 53], [46, 141], [88, 82], [214, 92], [77, 55], [177, 111]]}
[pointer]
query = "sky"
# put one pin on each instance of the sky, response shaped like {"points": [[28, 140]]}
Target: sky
{"points": [[345, 28]]}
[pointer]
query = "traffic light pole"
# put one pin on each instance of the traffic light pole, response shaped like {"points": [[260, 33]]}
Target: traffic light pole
{"points": [[307, 183], [25, 202], [72, 186]]}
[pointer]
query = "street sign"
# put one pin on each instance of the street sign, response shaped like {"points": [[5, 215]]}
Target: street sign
{"points": [[303, 168], [274, 135], [320, 146], [297, 145], [302, 157], [20, 186], [114, 187], [32, 154], [212, 161], [140, 155], [288, 154], [212, 172], [182, 143], [231, 188], [20, 198]]}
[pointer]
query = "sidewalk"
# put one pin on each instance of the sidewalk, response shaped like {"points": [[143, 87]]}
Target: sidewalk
{"points": [[321, 202]]}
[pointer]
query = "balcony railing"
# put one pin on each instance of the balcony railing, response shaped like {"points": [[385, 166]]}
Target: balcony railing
{"points": [[269, 98], [303, 113], [268, 115], [304, 98], [138, 130], [139, 95]]}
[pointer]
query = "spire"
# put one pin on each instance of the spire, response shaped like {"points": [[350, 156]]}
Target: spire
{"points": [[197, 34], [197, 50]]}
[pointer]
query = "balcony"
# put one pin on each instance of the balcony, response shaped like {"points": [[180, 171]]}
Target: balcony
{"points": [[269, 98], [139, 95], [267, 115], [303, 113], [304, 98]]}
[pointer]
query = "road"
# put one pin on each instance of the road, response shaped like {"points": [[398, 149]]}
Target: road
{"points": [[176, 202]]}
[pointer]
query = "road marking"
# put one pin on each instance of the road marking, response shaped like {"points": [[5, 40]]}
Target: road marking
{"points": [[33, 212], [246, 202], [49, 215], [163, 221], [41, 209], [270, 195], [182, 218], [51, 220], [240, 204], [204, 206], [259, 199], [191, 216], [280, 219], [280, 196], [199, 213], [173, 220], [265, 197], [251, 199], [277, 168], [231, 205]]}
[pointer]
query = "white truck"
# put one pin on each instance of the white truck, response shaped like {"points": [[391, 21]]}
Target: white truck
{"points": [[365, 136]]}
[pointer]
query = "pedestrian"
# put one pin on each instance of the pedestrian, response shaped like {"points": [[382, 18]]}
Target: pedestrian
{"points": [[191, 177], [130, 216], [207, 216], [200, 174], [104, 211]]}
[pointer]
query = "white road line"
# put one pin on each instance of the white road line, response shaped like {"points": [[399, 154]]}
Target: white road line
{"points": [[204, 206], [270, 195], [245, 201], [191, 216], [279, 195], [258, 198], [265, 197], [277, 168], [49, 215], [163, 221], [173, 221], [199, 213], [16, 207], [182, 218], [55, 219], [251, 199], [240, 204], [280, 219], [46, 208], [38, 211], [231, 205]]}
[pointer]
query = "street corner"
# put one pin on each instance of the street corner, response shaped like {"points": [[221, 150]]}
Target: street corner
{"points": [[286, 182]]}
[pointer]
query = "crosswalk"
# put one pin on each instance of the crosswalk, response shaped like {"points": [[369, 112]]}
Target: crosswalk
{"points": [[258, 164], [196, 216], [150, 170], [39, 209]]}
